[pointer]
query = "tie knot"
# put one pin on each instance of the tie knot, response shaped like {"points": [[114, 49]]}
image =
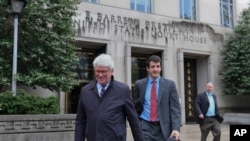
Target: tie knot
{"points": [[153, 81], [103, 87], [102, 90]]}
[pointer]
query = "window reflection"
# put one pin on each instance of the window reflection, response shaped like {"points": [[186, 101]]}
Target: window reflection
{"points": [[141, 5], [92, 1], [138, 68], [188, 9], [226, 13], [84, 67]]}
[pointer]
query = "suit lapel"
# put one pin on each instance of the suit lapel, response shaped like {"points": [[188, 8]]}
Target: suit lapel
{"points": [[161, 90], [94, 88], [205, 98], [143, 88], [215, 103]]}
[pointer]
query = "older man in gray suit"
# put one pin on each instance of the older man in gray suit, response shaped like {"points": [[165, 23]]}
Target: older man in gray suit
{"points": [[157, 104]]}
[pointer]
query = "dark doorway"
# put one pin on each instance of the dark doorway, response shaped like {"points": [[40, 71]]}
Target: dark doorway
{"points": [[84, 69], [72, 98], [190, 88], [138, 68]]}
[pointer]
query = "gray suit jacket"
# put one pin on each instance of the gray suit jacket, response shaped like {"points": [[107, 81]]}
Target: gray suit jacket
{"points": [[168, 104]]}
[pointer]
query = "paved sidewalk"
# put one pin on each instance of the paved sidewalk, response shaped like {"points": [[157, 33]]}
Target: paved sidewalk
{"points": [[191, 132]]}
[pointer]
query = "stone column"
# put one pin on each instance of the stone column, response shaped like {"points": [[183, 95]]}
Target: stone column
{"points": [[180, 83], [128, 64], [62, 101]]}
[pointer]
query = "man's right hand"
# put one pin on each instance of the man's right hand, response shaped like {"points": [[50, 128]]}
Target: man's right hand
{"points": [[201, 116]]}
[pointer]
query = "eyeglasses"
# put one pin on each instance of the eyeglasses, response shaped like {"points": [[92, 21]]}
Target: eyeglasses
{"points": [[101, 72]]}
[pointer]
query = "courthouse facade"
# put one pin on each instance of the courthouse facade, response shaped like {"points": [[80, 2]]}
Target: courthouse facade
{"points": [[187, 34]]}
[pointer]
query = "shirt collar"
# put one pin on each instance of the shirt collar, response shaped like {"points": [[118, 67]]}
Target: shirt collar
{"points": [[156, 80], [209, 94], [100, 86]]}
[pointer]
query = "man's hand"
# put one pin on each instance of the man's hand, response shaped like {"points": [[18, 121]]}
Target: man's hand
{"points": [[175, 134], [201, 116]]}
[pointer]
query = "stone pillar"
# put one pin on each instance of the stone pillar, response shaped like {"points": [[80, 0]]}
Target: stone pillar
{"points": [[210, 69], [128, 65], [61, 96], [180, 84], [164, 63]]}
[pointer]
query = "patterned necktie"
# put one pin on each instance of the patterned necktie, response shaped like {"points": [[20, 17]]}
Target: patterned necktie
{"points": [[102, 91], [153, 103]]}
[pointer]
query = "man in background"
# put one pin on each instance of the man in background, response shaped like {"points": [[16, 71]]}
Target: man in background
{"points": [[208, 114]]}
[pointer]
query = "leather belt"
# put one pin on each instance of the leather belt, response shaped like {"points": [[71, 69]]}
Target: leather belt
{"points": [[155, 122], [152, 122], [209, 116]]}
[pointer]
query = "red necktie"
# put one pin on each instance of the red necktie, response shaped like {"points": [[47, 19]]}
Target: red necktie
{"points": [[153, 103]]}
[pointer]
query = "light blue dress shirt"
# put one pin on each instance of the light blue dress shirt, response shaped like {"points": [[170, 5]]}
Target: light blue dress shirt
{"points": [[211, 108], [146, 105]]}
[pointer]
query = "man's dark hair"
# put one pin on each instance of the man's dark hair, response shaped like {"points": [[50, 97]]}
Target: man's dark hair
{"points": [[153, 58]]}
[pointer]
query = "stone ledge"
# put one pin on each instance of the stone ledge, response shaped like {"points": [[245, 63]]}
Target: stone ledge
{"points": [[37, 117], [237, 118], [15, 124]]}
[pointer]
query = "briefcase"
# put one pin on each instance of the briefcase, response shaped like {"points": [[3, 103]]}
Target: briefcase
{"points": [[172, 139], [219, 118]]}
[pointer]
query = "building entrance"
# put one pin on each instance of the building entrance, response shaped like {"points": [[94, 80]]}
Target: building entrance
{"points": [[190, 82]]}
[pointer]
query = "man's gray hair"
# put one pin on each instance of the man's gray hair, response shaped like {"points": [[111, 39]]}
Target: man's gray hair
{"points": [[104, 60]]}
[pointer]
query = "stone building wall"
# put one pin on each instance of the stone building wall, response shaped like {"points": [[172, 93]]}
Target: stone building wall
{"points": [[37, 127]]}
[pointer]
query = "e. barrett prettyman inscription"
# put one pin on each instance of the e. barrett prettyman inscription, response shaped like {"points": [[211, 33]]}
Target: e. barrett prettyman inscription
{"points": [[134, 28]]}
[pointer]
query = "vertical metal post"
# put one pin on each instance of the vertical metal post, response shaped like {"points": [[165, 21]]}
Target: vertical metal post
{"points": [[15, 54]]}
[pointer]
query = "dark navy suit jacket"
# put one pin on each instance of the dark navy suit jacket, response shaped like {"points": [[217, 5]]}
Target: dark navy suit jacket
{"points": [[104, 118], [202, 105]]}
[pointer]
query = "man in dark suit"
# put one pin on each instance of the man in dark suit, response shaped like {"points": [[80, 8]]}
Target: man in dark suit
{"points": [[157, 104], [207, 113], [104, 106]]}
